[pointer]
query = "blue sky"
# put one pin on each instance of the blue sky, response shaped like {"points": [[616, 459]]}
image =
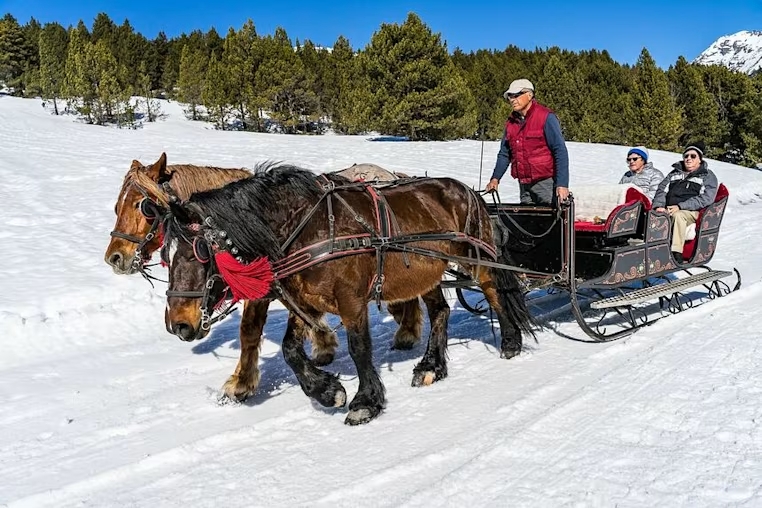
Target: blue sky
{"points": [[668, 28]]}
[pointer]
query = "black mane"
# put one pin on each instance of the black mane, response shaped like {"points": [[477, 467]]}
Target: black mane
{"points": [[243, 208]]}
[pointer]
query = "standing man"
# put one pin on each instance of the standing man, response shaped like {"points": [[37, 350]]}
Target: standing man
{"points": [[534, 147]]}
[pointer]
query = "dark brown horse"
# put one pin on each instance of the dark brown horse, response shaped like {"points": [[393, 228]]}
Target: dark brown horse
{"points": [[281, 217], [131, 246]]}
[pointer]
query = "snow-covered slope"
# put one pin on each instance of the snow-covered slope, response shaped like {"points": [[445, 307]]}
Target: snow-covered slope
{"points": [[100, 406]]}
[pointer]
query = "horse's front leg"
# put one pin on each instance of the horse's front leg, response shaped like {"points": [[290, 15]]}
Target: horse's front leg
{"points": [[315, 383], [370, 398], [244, 381], [433, 365]]}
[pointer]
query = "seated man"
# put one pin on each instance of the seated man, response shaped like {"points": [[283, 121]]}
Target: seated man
{"points": [[642, 172], [687, 189]]}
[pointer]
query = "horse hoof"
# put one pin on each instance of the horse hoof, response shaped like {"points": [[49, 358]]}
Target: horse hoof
{"points": [[360, 416], [340, 398], [509, 353], [236, 391], [334, 396], [323, 359], [424, 378]]}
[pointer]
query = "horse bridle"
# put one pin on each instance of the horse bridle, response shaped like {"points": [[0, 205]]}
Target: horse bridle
{"points": [[202, 250], [153, 214]]}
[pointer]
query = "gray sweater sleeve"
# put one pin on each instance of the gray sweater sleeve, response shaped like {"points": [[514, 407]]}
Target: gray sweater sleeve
{"points": [[660, 198], [653, 184], [706, 198]]}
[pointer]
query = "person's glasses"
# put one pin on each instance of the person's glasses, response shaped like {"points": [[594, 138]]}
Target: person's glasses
{"points": [[516, 95], [690, 156], [633, 159]]}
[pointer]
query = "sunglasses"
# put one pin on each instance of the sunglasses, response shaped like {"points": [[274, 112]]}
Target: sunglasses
{"points": [[516, 95], [633, 159], [690, 156]]}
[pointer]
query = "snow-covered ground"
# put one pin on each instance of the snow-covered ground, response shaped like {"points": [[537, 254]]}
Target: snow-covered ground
{"points": [[100, 406]]}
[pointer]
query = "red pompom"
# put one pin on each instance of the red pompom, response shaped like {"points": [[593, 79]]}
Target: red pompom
{"points": [[247, 282]]}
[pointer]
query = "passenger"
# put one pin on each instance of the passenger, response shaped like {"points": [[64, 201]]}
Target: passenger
{"points": [[687, 189], [642, 173]]}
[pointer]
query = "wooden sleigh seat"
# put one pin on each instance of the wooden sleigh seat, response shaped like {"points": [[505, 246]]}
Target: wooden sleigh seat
{"points": [[611, 210], [701, 237]]}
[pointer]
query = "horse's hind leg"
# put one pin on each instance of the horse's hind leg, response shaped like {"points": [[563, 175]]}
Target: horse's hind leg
{"points": [[324, 343], [370, 398], [504, 294], [244, 381], [433, 365], [409, 317], [315, 383]]}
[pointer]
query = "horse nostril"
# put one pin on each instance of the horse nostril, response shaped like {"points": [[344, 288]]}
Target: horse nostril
{"points": [[183, 330], [115, 260]]}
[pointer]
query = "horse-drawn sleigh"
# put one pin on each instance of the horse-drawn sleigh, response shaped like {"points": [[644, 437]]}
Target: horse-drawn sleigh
{"points": [[324, 244]]}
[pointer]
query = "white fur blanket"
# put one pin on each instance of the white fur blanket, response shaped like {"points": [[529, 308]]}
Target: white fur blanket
{"points": [[591, 201]]}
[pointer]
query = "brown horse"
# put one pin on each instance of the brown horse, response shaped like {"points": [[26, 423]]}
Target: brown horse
{"points": [[327, 222], [135, 238]]}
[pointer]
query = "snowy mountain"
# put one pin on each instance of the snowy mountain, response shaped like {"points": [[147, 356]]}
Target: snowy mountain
{"points": [[101, 407], [740, 51]]}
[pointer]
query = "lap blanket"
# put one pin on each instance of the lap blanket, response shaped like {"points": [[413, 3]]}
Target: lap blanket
{"points": [[591, 201]]}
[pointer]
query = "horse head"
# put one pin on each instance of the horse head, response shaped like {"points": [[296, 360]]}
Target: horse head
{"points": [[195, 287], [138, 214]]}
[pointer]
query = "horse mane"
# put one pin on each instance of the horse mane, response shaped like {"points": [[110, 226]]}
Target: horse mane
{"points": [[186, 179], [244, 208]]}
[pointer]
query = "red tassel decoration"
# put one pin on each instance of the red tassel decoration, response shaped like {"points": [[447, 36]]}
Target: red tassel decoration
{"points": [[247, 282]]}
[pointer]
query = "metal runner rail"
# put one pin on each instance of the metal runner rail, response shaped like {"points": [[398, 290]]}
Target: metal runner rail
{"points": [[652, 292]]}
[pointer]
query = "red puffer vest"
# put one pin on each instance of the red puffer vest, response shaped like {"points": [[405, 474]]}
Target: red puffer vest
{"points": [[531, 159]]}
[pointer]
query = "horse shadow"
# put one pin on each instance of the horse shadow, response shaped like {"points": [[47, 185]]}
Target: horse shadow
{"points": [[277, 376]]}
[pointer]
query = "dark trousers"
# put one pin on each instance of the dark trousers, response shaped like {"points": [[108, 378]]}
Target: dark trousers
{"points": [[541, 192]]}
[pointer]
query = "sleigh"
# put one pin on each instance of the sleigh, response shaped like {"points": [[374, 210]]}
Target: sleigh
{"points": [[610, 251]]}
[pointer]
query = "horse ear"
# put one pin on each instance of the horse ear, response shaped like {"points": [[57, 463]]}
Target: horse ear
{"points": [[135, 165], [158, 170]]}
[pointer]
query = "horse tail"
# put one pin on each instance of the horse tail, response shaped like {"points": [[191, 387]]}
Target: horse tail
{"points": [[510, 295]]}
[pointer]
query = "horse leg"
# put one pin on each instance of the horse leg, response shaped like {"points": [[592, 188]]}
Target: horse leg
{"points": [[409, 317], [245, 379], [324, 343], [370, 398], [315, 383], [504, 294], [433, 365]]}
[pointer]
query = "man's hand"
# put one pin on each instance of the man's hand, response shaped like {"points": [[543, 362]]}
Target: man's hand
{"points": [[672, 209], [562, 193], [661, 209], [492, 185]]}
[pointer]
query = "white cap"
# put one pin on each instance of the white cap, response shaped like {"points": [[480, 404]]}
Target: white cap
{"points": [[518, 85]]}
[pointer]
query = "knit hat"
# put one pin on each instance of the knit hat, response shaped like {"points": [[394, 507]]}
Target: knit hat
{"points": [[639, 150], [698, 146]]}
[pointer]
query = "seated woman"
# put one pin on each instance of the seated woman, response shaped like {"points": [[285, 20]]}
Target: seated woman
{"points": [[688, 188], [642, 173]]}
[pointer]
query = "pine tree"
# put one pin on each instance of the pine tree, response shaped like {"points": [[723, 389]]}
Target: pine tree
{"points": [[652, 114], [78, 85], [13, 53], [699, 107], [53, 47], [145, 89], [191, 79], [410, 72], [215, 94], [240, 62], [282, 81]]}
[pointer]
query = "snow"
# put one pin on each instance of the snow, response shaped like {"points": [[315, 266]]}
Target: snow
{"points": [[100, 406], [741, 51]]}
